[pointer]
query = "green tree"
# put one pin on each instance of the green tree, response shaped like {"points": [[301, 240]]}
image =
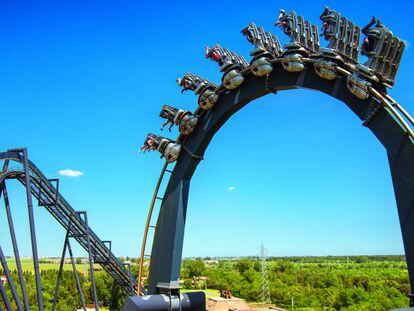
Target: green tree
{"points": [[195, 267], [243, 265]]}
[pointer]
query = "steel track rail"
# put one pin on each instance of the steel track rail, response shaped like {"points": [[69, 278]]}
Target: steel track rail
{"points": [[384, 99], [47, 195], [140, 289]]}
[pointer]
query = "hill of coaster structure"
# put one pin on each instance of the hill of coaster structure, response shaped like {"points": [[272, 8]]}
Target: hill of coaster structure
{"points": [[301, 63]]}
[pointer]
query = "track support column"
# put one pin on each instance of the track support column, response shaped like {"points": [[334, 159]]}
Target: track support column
{"points": [[32, 229], [166, 257], [131, 284], [10, 280], [4, 297], [59, 278], [67, 246], [113, 304], [15, 248], [88, 242], [3, 190], [75, 272]]}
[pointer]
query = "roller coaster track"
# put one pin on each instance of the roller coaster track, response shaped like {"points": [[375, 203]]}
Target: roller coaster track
{"points": [[379, 112], [302, 63], [386, 100], [72, 221]]}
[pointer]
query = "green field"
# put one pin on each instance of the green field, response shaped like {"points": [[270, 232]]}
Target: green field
{"points": [[27, 265]]}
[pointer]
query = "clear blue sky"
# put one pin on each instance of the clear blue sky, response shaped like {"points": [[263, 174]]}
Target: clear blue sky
{"points": [[82, 83]]}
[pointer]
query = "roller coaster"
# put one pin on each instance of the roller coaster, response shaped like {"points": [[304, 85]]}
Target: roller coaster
{"points": [[16, 165], [301, 63]]}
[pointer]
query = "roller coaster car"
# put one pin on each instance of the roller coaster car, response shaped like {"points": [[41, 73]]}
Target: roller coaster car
{"points": [[343, 36], [304, 40], [384, 52], [185, 120], [265, 42], [230, 63], [206, 90], [168, 148], [267, 46]]}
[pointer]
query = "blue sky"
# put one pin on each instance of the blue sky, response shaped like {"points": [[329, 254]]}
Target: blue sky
{"points": [[82, 83]]}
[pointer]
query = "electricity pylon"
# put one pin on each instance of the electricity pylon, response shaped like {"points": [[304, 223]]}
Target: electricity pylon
{"points": [[264, 285]]}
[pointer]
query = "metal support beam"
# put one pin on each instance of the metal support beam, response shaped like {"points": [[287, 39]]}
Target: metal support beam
{"points": [[3, 190], [108, 244], [402, 172], [113, 304], [59, 278], [131, 285], [113, 301], [10, 280], [75, 272], [89, 247], [15, 247], [56, 202], [32, 230], [5, 298]]}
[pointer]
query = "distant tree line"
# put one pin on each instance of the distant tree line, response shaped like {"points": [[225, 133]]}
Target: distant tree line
{"points": [[317, 283], [69, 298], [354, 283]]}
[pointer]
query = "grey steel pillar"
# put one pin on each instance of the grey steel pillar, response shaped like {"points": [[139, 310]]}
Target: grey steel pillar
{"points": [[10, 280], [88, 242], [3, 190], [67, 246], [172, 222], [32, 230], [15, 247], [113, 304], [59, 278], [403, 187], [75, 272], [131, 284], [4, 297]]}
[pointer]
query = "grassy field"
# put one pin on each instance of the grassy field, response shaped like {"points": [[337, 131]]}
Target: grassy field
{"points": [[27, 265]]}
